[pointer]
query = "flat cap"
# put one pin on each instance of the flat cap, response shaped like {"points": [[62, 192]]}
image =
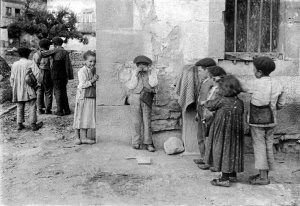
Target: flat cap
{"points": [[57, 40], [265, 64], [44, 43], [206, 62], [142, 59]]}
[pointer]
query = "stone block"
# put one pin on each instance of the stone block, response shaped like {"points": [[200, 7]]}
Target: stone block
{"points": [[113, 14], [164, 125], [173, 146], [115, 123], [118, 46], [160, 137]]}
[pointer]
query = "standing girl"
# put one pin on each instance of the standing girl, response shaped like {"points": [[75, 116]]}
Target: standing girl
{"points": [[85, 107], [226, 136]]}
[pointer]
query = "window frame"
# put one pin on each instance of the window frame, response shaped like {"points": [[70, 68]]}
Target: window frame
{"points": [[7, 13]]}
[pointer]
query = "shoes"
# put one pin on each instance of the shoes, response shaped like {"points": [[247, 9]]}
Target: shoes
{"points": [[218, 182], [252, 177], [36, 127], [77, 141], [204, 167], [259, 181], [41, 111], [213, 169], [20, 126], [87, 141], [136, 146], [150, 148], [58, 113], [199, 161], [48, 112]]}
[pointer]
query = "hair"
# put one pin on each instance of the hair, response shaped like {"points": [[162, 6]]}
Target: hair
{"points": [[24, 52], [88, 54], [216, 71], [206, 62], [230, 86], [57, 41], [265, 65], [44, 44]]}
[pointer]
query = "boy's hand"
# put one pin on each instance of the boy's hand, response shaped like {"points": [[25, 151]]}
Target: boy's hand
{"points": [[202, 102], [95, 78]]}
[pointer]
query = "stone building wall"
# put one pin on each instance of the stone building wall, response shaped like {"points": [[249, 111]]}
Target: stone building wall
{"points": [[174, 33]]}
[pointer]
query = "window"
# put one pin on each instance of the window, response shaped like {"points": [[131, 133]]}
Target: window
{"points": [[251, 26], [8, 11], [17, 12]]}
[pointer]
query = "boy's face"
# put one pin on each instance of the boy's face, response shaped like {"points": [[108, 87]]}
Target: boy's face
{"points": [[202, 72], [90, 62], [143, 67]]}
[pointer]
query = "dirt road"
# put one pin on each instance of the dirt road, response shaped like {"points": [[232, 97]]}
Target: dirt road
{"points": [[45, 167]]}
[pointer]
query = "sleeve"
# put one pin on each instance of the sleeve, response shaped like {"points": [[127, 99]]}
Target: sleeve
{"points": [[153, 81], [37, 59], [36, 72], [83, 80], [247, 86], [12, 75], [213, 105], [132, 83], [69, 67], [48, 53], [281, 100]]}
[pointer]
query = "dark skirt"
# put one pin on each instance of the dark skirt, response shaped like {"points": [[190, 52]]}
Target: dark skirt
{"points": [[224, 148]]}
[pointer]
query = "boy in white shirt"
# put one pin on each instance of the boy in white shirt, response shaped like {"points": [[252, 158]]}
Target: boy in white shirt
{"points": [[142, 85]]}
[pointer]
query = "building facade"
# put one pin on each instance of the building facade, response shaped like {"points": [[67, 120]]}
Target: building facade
{"points": [[179, 32]]}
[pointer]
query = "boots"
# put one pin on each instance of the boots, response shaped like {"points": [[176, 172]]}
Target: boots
{"points": [[36, 127], [84, 138], [20, 126]]}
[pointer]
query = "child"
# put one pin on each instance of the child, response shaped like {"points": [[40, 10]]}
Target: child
{"points": [[142, 85], [23, 93], [46, 88], [226, 135], [215, 73], [267, 97], [85, 106]]}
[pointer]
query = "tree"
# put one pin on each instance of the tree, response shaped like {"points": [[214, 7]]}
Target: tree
{"points": [[45, 24]]}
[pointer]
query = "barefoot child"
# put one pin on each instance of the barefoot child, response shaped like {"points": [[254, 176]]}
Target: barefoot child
{"points": [[85, 106], [267, 97], [23, 92], [225, 151]]}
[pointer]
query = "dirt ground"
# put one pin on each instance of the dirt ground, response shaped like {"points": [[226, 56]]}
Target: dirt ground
{"points": [[46, 168]]}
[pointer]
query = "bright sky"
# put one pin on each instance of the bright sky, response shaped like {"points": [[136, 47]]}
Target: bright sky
{"points": [[75, 5]]}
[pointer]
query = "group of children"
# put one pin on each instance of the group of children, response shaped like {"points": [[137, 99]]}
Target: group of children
{"points": [[220, 116], [220, 113]]}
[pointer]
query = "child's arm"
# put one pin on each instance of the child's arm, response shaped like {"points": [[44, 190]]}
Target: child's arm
{"points": [[213, 105], [48, 53], [84, 82], [12, 75], [132, 83], [153, 81], [281, 100]]}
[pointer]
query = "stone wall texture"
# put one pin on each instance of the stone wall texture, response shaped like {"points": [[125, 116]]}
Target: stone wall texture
{"points": [[176, 33]]}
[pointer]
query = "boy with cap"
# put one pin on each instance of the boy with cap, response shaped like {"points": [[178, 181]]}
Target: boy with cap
{"points": [[206, 83], [142, 85], [61, 72], [267, 96], [23, 93], [46, 85]]}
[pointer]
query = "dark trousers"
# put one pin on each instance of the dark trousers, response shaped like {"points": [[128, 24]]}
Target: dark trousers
{"points": [[60, 93], [45, 91]]}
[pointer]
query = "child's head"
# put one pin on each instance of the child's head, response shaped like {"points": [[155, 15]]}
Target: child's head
{"points": [[57, 41], [203, 64], [230, 86], [263, 66], [216, 71], [142, 62], [90, 59], [45, 44], [24, 52]]}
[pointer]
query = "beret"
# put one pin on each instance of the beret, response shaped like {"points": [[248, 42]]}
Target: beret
{"points": [[206, 62], [142, 59], [57, 40], [44, 43], [264, 64]]}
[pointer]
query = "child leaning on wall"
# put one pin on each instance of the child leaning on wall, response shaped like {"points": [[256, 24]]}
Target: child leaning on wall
{"points": [[23, 80], [141, 84], [267, 96], [85, 106]]}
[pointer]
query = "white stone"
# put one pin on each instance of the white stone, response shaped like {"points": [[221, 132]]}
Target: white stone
{"points": [[173, 146]]}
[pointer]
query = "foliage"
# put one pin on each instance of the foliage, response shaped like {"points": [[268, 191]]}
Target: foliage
{"points": [[46, 24]]}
